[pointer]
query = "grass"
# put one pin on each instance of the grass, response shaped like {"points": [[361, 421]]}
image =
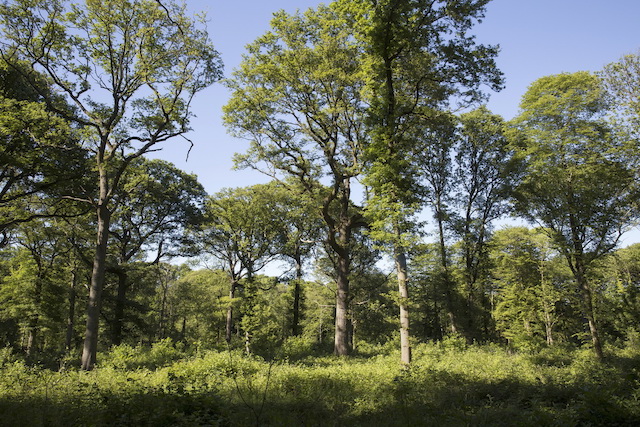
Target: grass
{"points": [[484, 385]]}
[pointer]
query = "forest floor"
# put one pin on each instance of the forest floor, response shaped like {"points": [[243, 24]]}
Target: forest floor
{"points": [[447, 385]]}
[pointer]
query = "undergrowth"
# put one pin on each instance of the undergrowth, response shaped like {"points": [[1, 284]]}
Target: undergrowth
{"points": [[446, 385]]}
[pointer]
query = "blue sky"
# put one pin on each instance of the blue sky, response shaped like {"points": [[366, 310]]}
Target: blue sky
{"points": [[537, 38]]}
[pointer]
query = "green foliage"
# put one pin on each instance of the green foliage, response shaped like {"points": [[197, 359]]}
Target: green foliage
{"points": [[446, 385], [617, 277], [577, 171], [40, 155], [125, 357], [533, 284], [195, 308], [578, 180], [621, 80]]}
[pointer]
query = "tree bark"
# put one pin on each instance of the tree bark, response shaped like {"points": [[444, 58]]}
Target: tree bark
{"points": [[32, 339], [71, 315], [401, 268], [339, 239], [578, 267], [162, 321], [446, 276], [121, 300], [90, 347], [587, 305], [229, 321], [295, 324], [341, 342]]}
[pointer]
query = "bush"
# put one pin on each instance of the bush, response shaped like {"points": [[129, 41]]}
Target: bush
{"points": [[126, 357], [478, 385]]}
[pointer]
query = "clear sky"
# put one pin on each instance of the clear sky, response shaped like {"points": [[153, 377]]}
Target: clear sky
{"points": [[537, 38]]}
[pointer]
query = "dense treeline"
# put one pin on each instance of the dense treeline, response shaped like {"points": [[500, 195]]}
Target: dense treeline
{"points": [[310, 262]]}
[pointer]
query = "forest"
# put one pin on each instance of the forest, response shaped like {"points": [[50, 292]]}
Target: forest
{"points": [[415, 259]]}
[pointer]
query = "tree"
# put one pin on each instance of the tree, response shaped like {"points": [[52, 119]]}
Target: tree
{"points": [[621, 80], [577, 181], [33, 291], [418, 58], [197, 307], [300, 226], [530, 285], [485, 173], [240, 232], [157, 205], [436, 168], [619, 308], [39, 154], [297, 98], [130, 69]]}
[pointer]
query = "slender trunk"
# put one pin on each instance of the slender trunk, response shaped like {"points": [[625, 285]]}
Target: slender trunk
{"points": [[446, 276], [183, 330], [436, 326], [549, 329], [71, 314], [295, 326], [548, 323], [587, 304], [401, 268], [578, 267], [229, 321], [90, 348], [162, 333], [121, 300], [32, 338], [249, 296]]}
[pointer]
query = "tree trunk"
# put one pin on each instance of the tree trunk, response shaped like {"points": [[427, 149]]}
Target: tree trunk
{"points": [[90, 348], [577, 263], [32, 336], [401, 268], [162, 322], [446, 276], [341, 342], [32, 339], [295, 324], [71, 314], [339, 239], [229, 322], [549, 330], [587, 304], [121, 301], [435, 325]]}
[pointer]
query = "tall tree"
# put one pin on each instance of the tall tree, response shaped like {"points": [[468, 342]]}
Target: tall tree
{"points": [[157, 205], [419, 58], [530, 285], [436, 168], [622, 81], [300, 227], [130, 69], [241, 234], [620, 276], [39, 155], [33, 292], [297, 98], [486, 172], [577, 181]]}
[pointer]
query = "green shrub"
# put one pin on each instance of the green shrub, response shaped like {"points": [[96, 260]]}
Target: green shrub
{"points": [[478, 385], [126, 357], [453, 342]]}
